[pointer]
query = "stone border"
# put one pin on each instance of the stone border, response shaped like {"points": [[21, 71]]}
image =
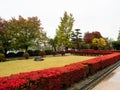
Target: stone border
{"points": [[89, 82]]}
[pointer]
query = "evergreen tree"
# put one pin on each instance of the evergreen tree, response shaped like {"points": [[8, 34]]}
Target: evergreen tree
{"points": [[76, 38]]}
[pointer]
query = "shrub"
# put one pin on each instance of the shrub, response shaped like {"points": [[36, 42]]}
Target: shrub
{"points": [[47, 79], [26, 55], [19, 54], [48, 52], [42, 53], [31, 53], [1, 49], [62, 52], [2, 57], [54, 53], [11, 54], [36, 52]]}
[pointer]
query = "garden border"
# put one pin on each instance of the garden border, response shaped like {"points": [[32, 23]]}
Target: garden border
{"points": [[92, 80]]}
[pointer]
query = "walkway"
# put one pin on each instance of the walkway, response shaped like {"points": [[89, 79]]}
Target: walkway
{"points": [[111, 82]]}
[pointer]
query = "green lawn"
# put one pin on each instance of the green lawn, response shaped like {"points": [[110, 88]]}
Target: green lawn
{"points": [[17, 66]]}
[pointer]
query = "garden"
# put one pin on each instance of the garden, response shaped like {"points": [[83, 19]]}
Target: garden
{"points": [[68, 70], [65, 59], [18, 66]]}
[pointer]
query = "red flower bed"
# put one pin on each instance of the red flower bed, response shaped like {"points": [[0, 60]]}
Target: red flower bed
{"points": [[93, 64], [92, 52], [48, 79], [100, 62], [109, 59], [73, 73]]}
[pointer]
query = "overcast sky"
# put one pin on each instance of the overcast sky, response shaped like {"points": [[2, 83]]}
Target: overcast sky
{"points": [[89, 15]]}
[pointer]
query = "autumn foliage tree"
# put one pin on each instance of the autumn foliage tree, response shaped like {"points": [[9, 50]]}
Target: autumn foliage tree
{"points": [[99, 43], [89, 36], [95, 40], [63, 31], [6, 37], [26, 31]]}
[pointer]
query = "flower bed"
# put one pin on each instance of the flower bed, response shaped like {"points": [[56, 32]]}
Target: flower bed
{"points": [[48, 79], [93, 64], [109, 59], [100, 62], [91, 52]]}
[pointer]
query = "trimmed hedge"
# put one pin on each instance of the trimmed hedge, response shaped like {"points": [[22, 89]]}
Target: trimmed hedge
{"points": [[101, 62], [93, 64], [91, 52], [48, 79]]}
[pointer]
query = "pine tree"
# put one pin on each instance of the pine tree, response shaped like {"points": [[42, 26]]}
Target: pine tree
{"points": [[76, 38]]}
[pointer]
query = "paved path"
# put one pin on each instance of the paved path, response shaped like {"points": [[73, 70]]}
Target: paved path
{"points": [[111, 82]]}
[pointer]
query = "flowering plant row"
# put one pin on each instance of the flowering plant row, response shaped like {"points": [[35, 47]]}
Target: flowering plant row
{"points": [[48, 79], [101, 62], [91, 52], [56, 78]]}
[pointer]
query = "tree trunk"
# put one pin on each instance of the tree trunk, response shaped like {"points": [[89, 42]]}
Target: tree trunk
{"points": [[5, 52], [26, 48]]}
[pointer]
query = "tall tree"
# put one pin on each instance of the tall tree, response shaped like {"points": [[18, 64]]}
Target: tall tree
{"points": [[64, 30], [76, 38], [6, 37], [27, 31]]}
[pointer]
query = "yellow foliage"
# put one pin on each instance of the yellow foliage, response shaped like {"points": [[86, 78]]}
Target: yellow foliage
{"points": [[99, 42]]}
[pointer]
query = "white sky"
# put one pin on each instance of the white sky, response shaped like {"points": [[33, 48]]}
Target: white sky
{"points": [[89, 15]]}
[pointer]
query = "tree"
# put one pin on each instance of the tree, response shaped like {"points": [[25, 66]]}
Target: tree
{"points": [[109, 43], [53, 43], [89, 36], [6, 37], [118, 36], [26, 31], [116, 44], [76, 38], [99, 43], [64, 30]]}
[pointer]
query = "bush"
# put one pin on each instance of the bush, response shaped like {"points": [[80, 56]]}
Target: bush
{"points": [[42, 53], [48, 52], [11, 54], [54, 53], [19, 54], [47, 79], [26, 55], [62, 52], [2, 57], [36, 52], [31, 53]]}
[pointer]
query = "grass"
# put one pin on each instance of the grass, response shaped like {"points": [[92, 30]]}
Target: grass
{"points": [[17, 66]]}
